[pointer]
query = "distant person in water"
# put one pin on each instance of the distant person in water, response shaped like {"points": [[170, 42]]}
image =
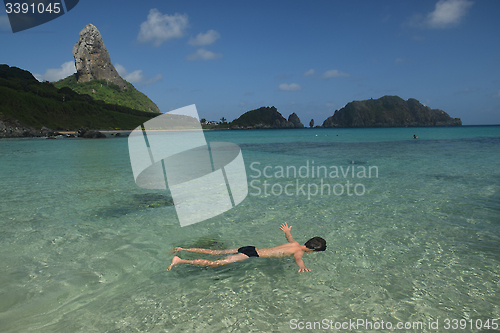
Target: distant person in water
{"points": [[292, 248], [415, 136]]}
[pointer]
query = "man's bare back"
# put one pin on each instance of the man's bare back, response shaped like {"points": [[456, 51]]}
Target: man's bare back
{"points": [[283, 250], [292, 248]]}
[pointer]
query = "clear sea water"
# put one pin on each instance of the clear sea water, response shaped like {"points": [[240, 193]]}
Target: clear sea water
{"points": [[83, 249]]}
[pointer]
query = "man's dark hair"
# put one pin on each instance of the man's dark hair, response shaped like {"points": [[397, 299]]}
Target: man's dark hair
{"points": [[316, 244]]}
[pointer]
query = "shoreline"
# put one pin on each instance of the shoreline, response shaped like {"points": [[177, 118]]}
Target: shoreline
{"points": [[21, 131]]}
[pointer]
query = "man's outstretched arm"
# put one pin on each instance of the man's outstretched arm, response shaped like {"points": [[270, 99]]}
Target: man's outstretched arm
{"points": [[300, 263], [286, 229]]}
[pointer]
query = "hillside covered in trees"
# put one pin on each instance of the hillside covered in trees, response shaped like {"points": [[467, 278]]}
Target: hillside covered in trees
{"points": [[265, 117], [110, 93], [389, 111], [41, 104]]}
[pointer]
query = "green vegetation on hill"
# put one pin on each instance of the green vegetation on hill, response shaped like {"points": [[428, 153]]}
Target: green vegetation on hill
{"points": [[265, 117], [389, 111], [111, 93], [39, 104]]}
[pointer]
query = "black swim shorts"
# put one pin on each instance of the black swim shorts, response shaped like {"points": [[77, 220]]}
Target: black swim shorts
{"points": [[248, 251]]}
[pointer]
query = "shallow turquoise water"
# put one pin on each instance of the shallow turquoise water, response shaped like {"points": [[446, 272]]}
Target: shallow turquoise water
{"points": [[85, 250]]}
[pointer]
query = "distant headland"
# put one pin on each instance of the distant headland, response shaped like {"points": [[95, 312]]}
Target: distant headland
{"points": [[96, 97], [30, 108], [389, 111], [265, 117]]}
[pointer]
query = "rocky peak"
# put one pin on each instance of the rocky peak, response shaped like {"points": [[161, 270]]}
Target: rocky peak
{"points": [[92, 59], [295, 120]]}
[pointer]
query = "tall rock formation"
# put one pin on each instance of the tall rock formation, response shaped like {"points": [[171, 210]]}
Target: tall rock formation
{"points": [[93, 64], [295, 120], [92, 59]]}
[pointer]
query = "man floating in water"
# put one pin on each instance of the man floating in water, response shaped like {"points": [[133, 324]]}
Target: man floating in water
{"points": [[292, 248]]}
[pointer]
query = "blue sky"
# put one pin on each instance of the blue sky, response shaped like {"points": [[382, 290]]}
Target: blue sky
{"points": [[307, 57]]}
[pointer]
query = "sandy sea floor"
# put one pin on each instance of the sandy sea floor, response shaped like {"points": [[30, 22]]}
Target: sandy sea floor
{"points": [[85, 250]]}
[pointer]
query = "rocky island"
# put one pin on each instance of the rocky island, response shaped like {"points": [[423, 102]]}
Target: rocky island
{"points": [[265, 117], [389, 111]]}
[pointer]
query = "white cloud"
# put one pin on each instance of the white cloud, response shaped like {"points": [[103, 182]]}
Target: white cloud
{"points": [[334, 73], [309, 72], [156, 78], [136, 77], [4, 23], [290, 87], [159, 28], [202, 54], [448, 13], [399, 61], [204, 39], [55, 74], [467, 90]]}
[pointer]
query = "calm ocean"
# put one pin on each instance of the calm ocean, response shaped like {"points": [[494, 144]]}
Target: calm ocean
{"points": [[412, 229]]}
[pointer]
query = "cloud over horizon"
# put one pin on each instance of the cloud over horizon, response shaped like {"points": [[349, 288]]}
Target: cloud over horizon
{"points": [[448, 13], [309, 72], [202, 54], [204, 39], [56, 74], [159, 28], [290, 87], [136, 77], [399, 61], [334, 73]]}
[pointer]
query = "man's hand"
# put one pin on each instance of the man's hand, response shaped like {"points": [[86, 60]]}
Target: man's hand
{"points": [[286, 230], [284, 227], [304, 270]]}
